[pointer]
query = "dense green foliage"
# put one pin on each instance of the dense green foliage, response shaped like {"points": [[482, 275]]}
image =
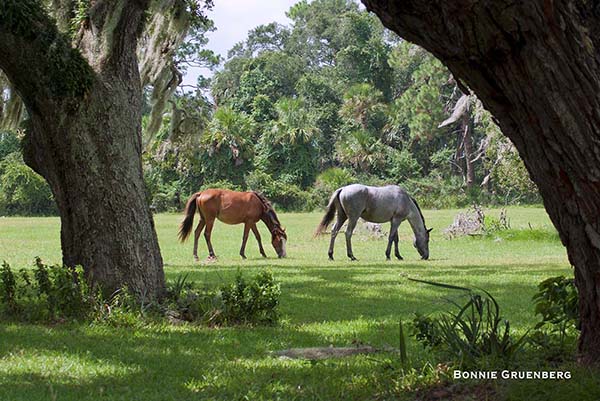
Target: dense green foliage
{"points": [[557, 303], [241, 302], [55, 293], [334, 89], [22, 191], [46, 293]]}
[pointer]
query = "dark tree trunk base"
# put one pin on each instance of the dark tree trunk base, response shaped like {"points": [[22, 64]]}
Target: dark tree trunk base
{"points": [[93, 165]]}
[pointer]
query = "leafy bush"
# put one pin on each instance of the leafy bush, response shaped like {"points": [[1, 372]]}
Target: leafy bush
{"points": [[437, 192], [57, 293], [281, 192], [509, 177], [8, 289], [121, 309], [402, 166], [222, 184], [22, 191], [53, 293], [493, 225], [241, 302], [475, 331], [253, 302], [441, 161], [426, 330], [9, 143], [327, 182], [558, 304], [166, 197], [334, 178]]}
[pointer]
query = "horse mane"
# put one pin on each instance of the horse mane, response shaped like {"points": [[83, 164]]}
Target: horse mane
{"points": [[419, 209], [269, 210]]}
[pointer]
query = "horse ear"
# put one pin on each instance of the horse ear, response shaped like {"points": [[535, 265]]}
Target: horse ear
{"points": [[429, 230]]}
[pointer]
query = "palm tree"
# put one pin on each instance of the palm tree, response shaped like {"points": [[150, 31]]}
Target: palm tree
{"points": [[362, 103], [294, 124], [230, 132], [363, 151], [289, 147]]}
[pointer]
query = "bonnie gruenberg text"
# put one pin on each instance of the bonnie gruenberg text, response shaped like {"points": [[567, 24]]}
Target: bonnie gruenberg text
{"points": [[513, 374]]}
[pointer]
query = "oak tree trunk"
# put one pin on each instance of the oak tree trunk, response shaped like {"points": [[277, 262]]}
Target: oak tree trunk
{"points": [[95, 173], [83, 97], [535, 65]]}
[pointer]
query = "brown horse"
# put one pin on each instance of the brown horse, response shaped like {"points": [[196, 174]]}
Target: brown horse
{"points": [[232, 208]]}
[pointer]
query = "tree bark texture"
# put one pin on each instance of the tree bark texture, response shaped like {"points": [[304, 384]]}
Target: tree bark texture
{"points": [[535, 66], [84, 136]]}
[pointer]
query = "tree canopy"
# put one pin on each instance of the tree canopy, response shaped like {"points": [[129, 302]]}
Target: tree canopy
{"points": [[337, 90]]}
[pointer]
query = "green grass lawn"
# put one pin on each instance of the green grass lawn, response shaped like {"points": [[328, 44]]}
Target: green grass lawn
{"points": [[323, 303]]}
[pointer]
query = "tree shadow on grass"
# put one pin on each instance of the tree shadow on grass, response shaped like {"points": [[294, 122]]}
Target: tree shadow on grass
{"points": [[321, 306], [378, 291], [171, 363]]}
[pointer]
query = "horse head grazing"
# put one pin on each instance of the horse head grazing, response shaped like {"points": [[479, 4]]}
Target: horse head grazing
{"points": [[422, 243], [279, 240], [278, 235], [421, 234]]}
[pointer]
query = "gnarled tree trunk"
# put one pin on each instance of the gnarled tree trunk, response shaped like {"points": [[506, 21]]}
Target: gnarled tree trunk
{"points": [[84, 133], [535, 66]]}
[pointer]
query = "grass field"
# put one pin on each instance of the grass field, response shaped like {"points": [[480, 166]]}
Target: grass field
{"points": [[323, 303]]}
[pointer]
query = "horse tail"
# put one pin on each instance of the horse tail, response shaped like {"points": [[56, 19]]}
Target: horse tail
{"points": [[186, 225], [330, 214]]}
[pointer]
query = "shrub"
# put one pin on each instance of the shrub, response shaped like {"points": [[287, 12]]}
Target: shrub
{"points": [[282, 192], [334, 178], [221, 184], [402, 166], [438, 192], [22, 191], [166, 198], [253, 302], [241, 302], [53, 293], [9, 143], [327, 182], [558, 304], [426, 330], [8, 289], [121, 309]]}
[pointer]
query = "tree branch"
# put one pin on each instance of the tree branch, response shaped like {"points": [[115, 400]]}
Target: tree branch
{"points": [[37, 59], [109, 41]]}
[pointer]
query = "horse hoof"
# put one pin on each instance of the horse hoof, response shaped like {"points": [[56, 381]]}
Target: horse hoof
{"points": [[243, 257], [211, 259], [352, 258]]}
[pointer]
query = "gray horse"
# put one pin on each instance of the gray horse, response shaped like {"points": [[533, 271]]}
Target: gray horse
{"points": [[377, 205]]}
